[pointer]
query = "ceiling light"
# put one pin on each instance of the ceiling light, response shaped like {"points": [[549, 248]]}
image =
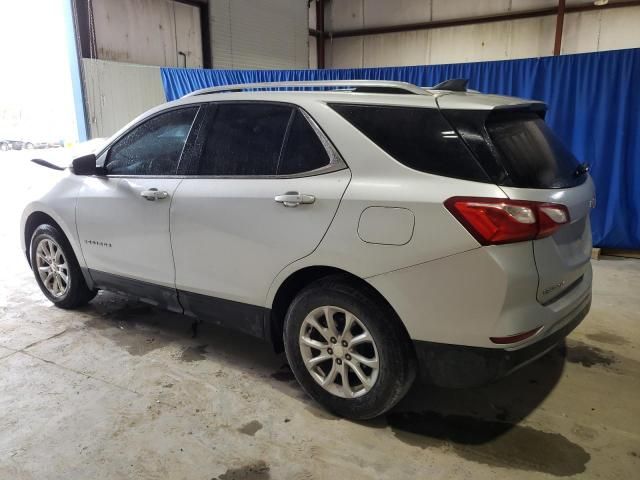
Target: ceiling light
{"points": [[599, 3]]}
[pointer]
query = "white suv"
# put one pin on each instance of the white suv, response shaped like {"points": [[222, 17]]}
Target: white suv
{"points": [[374, 230]]}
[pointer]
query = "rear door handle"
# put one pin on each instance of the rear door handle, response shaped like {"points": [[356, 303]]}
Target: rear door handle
{"points": [[293, 199], [154, 194]]}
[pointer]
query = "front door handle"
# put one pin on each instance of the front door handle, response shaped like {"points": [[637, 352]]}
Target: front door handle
{"points": [[154, 194], [293, 199]]}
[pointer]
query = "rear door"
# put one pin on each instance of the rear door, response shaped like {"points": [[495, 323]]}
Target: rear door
{"points": [[263, 194], [534, 157]]}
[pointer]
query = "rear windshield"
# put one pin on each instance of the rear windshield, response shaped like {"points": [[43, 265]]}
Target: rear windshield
{"points": [[419, 138], [531, 154]]}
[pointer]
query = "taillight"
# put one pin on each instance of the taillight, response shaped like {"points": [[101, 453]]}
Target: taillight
{"points": [[494, 221]]}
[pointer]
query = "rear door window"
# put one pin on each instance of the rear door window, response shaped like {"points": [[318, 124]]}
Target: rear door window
{"points": [[419, 138], [244, 139], [530, 152]]}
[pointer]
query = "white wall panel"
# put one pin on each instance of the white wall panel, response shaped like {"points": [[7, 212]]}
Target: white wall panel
{"points": [[532, 37], [406, 48], [344, 52], [470, 43], [448, 9], [350, 14], [344, 15], [118, 92], [144, 31], [619, 28], [522, 5], [312, 13], [313, 52], [220, 26], [140, 32], [378, 13], [253, 34], [580, 32], [188, 35]]}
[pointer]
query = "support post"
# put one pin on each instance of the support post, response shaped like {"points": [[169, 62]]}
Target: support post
{"points": [[205, 35], [77, 42], [320, 30], [559, 25]]}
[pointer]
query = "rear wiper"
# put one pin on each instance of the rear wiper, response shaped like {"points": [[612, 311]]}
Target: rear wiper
{"points": [[582, 169]]}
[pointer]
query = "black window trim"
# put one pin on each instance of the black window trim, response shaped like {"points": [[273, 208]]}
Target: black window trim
{"points": [[103, 156], [486, 179], [336, 161]]}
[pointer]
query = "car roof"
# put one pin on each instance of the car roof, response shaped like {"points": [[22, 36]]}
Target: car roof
{"points": [[375, 92], [365, 92]]}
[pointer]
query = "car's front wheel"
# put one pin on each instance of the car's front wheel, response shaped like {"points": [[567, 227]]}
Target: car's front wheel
{"points": [[57, 270], [348, 349]]}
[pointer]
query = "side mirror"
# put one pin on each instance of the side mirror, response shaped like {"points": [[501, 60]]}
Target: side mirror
{"points": [[86, 165]]}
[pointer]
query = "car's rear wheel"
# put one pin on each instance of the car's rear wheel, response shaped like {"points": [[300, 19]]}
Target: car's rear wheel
{"points": [[57, 270], [347, 349], [28, 146]]}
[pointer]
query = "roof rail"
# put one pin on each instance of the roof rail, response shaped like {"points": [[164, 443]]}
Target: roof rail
{"points": [[361, 86]]}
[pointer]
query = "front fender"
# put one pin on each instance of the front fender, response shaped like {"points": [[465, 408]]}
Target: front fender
{"points": [[59, 203]]}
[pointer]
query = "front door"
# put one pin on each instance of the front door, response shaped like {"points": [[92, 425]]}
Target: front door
{"points": [[263, 195], [123, 218]]}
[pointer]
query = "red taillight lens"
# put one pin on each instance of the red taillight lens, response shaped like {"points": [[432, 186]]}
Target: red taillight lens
{"points": [[494, 221], [550, 217], [515, 338]]}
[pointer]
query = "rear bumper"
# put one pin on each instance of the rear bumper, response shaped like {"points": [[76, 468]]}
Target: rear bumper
{"points": [[458, 366]]}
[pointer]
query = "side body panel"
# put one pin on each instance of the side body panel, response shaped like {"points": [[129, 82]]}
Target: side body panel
{"points": [[445, 287], [231, 238], [380, 181], [562, 258], [56, 197], [467, 298], [124, 234]]}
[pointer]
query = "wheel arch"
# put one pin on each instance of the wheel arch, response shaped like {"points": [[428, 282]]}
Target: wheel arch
{"points": [[33, 221], [39, 217], [296, 282]]}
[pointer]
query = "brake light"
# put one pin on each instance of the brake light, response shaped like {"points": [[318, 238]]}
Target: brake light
{"points": [[495, 221]]}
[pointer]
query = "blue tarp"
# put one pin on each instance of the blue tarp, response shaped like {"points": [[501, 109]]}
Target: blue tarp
{"points": [[594, 106]]}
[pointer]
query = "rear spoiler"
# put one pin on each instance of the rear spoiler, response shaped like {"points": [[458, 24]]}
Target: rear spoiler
{"points": [[450, 100], [538, 108]]}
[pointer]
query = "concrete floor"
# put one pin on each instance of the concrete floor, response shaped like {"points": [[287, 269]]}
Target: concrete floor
{"points": [[120, 390]]}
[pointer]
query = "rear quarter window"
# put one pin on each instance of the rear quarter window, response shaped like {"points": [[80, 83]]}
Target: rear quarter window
{"points": [[303, 150], [419, 138]]}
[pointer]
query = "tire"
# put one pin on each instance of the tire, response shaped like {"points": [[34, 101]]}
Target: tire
{"points": [[46, 242], [4, 147], [28, 146], [390, 345]]}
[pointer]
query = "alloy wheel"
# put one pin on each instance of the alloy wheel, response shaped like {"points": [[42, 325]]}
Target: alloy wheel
{"points": [[52, 267], [339, 352]]}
